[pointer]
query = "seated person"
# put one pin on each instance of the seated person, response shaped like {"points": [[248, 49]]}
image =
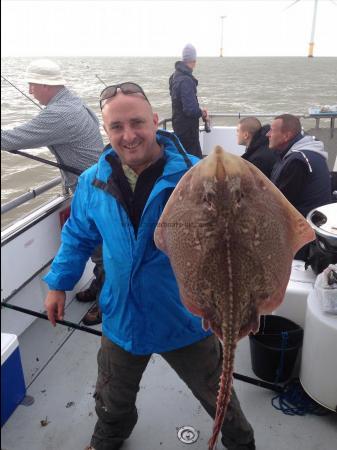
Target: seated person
{"points": [[302, 172], [252, 134]]}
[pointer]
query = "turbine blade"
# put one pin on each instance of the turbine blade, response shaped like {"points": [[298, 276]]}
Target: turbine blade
{"points": [[291, 5]]}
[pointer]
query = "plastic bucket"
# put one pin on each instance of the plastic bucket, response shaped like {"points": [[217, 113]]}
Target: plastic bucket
{"points": [[274, 348]]}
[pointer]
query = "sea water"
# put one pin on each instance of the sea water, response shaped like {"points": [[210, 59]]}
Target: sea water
{"points": [[226, 85]]}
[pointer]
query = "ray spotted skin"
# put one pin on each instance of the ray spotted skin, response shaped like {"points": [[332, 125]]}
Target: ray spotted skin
{"points": [[231, 237]]}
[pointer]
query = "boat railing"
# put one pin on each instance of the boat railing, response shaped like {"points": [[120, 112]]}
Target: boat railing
{"points": [[30, 195], [163, 123], [331, 116]]}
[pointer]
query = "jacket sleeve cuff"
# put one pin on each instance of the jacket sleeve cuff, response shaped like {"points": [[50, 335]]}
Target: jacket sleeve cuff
{"points": [[55, 283]]}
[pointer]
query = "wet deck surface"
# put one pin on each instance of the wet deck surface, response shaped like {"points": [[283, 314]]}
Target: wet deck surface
{"points": [[61, 367]]}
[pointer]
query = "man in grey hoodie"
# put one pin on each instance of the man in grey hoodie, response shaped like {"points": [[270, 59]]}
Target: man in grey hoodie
{"points": [[301, 172]]}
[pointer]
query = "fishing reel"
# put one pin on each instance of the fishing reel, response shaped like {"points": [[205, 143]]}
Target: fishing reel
{"points": [[207, 126], [323, 251]]}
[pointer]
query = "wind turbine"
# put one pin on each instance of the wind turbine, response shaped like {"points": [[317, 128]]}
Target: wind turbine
{"points": [[313, 26], [221, 39]]}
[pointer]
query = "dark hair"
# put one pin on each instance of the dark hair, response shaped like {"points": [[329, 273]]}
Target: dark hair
{"points": [[290, 123], [250, 124]]}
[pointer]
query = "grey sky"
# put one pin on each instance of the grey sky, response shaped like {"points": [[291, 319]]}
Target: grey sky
{"points": [[162, 28]]}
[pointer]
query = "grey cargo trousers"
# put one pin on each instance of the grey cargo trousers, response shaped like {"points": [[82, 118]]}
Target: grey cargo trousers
{"points": [[119, 374]]}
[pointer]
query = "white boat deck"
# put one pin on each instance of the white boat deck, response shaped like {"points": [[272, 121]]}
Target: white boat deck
{"points": [[60, 364], [60, 371]]}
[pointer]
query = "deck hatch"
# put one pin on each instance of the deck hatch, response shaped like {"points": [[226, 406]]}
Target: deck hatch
{"points": [[188, 434]]}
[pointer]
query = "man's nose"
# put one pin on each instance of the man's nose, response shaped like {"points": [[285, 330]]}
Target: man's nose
{"points": [[128, 134]]}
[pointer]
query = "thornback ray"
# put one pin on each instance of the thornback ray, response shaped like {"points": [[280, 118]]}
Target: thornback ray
{"points": [[231, 236]]}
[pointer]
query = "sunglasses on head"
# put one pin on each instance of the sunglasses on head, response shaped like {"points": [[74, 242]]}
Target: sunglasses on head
{"points": [[127, 88]]}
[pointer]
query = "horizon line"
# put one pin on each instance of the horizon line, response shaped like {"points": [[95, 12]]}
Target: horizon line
{"points": [[169, 56]]}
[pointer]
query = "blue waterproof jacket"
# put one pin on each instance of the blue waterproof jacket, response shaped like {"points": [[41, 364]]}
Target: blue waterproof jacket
{"points": [[142, 310]]}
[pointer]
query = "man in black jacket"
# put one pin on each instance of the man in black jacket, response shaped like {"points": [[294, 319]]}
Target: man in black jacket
{"points": [[185, 107], [252, 134]]}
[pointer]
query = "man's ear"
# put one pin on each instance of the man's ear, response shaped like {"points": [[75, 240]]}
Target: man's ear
{"points": [[155, 119], [289, 135]]}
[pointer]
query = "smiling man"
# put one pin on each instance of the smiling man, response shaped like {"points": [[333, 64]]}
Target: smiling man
{"points": [[118, 202], [131, 127]]}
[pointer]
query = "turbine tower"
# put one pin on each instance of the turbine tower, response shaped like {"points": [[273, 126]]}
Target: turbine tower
{"points": [[221, 39], [313, 26]]}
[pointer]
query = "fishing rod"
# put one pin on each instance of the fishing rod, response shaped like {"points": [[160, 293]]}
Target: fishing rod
{"points": [[244, 378], [21, 92], [100, 79], [87, 66], [45, 317], [62, 166], [207, 122], [207, 126]]}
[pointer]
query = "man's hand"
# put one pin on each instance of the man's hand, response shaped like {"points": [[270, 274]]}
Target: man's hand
{"points": [[54, 304], [204, 115]]}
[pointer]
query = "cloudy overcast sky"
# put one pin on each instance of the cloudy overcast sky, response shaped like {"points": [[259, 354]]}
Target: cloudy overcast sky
{"points": [[162, 28]]}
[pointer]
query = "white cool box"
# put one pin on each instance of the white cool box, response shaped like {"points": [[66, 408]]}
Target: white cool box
{"points": [[301, 283], [318, 373], [13, 387]]}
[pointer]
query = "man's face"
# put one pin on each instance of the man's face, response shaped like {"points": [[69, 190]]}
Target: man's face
{"points": [[40, 92], [131, 127], [278, 139], [241, 135], [191, 64]]}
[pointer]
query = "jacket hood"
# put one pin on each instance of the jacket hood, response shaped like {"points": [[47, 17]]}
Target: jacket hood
{"points": [[259, 138], [181, 66], [180, 70], [308, 143]]}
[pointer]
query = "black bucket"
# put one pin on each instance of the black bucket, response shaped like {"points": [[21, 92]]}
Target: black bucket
{"points": [[274, 348]]}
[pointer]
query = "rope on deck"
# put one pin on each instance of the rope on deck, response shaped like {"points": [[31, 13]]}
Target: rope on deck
{"points": [[294, 401]]}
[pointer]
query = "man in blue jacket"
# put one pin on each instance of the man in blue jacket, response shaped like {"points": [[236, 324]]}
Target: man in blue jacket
{"points": [[185, 107], [118, 203]]}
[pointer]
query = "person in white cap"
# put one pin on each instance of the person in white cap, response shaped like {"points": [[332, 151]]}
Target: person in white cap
{"points": [[66, 125], [71, 132], [186, 111]]}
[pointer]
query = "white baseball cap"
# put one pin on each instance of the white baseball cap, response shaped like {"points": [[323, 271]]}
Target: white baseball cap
{"points": [[44, 71]]}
